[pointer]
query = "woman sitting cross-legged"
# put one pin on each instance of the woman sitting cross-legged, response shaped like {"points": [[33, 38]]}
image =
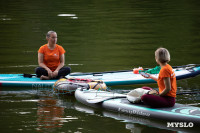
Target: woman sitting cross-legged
{"points": [[166, 82], [51, 59]]}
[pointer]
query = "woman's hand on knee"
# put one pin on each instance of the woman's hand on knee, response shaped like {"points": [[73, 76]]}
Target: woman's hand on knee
{"points": [[55, 74], [50, 73], [153, 92]]}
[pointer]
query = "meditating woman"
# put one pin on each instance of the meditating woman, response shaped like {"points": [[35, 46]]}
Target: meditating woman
{"points": [[51, 59], [166, 82]]}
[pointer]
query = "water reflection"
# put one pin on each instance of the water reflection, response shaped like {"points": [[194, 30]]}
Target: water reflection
{"points": [[43, 111], [49, 114], [72, 16], [134, 123]]}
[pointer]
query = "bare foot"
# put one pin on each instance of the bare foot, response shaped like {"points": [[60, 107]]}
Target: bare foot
{"points": [[44, 77]]}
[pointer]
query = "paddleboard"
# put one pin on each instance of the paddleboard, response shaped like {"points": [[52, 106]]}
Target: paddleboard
{"points": [[117, 103], [131, 121], [128, 78], [122, 77], [18, 80]]}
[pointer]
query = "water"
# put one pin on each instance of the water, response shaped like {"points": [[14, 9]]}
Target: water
{"points": [[101, 35]]}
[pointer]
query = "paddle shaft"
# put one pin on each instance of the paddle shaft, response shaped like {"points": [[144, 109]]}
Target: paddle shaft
{"points": [[100, 73], [178, 93], [100, 100], [183, 93]]}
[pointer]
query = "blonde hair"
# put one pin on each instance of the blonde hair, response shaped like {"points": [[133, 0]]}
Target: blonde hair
{"points": [[162, 55], [49, 33]]}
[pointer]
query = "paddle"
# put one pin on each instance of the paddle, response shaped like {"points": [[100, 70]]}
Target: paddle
{"points": [[98, 73], [101, 73], [177, 93], [183, 93], [100, 100]]}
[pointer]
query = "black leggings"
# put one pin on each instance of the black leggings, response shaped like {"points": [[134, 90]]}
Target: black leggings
{"points": [[61, 73]]}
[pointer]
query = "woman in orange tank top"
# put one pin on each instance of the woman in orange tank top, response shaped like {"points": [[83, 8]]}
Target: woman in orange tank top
{"points": [[51, 59], [166, 82]]}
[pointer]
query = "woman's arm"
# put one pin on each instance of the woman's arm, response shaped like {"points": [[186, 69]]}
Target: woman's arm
{"points": [[41, 64], [151, 77], [167, 83], [62, 62]]}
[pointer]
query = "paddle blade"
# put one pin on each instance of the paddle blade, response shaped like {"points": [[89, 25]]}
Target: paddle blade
{"points": [[102, 99]]}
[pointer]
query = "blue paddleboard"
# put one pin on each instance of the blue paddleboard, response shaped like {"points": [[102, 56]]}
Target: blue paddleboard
{"points": [[124, 77]]}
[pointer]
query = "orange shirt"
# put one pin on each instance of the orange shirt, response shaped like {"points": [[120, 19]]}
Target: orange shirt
{"points": [[51, 57], [167, 71]]}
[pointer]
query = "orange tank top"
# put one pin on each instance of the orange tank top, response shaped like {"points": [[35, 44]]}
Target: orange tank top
{"points": [[167, 71], [51, 57]]}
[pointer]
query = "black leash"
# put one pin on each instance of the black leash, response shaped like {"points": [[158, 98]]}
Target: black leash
{"points": [[28, 75]]}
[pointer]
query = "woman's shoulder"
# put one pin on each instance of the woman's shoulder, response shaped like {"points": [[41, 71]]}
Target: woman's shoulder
{"points": [[42, 48], [167, 68], [60, 49]]}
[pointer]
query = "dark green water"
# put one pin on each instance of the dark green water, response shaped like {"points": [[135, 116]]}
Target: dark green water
{"points": [[97, 35]]}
